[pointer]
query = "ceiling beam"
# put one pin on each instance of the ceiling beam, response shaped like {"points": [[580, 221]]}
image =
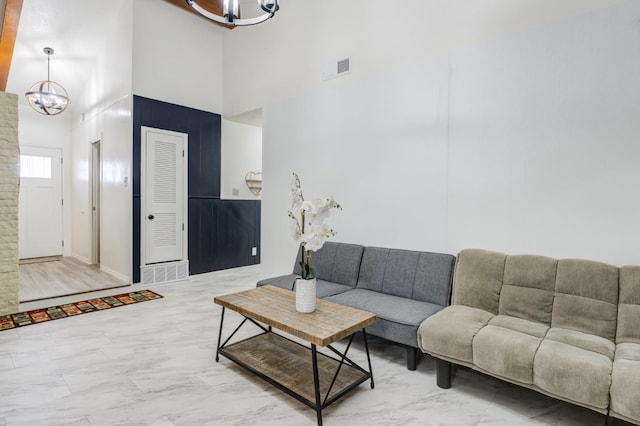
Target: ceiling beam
{"points": [[8, 39], [214, 6]]}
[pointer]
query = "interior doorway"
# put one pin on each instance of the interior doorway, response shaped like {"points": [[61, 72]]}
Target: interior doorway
{"points": [[96, 186], [49, 277]]}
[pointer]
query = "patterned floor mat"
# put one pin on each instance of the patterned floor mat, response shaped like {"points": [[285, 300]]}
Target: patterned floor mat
{"points": [[35, 316]]}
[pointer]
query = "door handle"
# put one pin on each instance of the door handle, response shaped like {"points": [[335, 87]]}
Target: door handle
{"points": [[150, 217]]}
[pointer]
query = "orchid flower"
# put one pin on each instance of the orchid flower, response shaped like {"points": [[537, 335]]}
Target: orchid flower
{"points": [[307, 223]]}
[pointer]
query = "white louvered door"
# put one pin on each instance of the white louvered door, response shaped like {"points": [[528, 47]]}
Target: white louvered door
{"points": [[163, 196]]}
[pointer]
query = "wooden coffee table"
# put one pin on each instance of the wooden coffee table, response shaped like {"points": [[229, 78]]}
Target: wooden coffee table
{"points": [[314, 378]]}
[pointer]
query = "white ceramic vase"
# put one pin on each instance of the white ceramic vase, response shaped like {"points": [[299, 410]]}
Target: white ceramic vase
{"points": [[305, 295]]}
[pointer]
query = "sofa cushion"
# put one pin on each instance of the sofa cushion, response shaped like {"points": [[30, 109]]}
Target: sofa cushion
{"points": [[520, 325], [323, 288], [629, 306], [628, 320], [434, 275], [585, 341], [392, 308], [388, 271], [507, 346], [586, 297], [449, 333], [335, 262], [283, 281], [478, 279], [528, 287], [395, 332], [625, 381], [420, 276], [327, 288], [399, 317], [575, 366]]}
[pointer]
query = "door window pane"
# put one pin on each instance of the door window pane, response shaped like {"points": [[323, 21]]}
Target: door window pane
{"points": [[35, 167]]}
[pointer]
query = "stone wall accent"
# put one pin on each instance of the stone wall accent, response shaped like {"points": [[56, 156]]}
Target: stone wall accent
{"points": [[9, 192]]}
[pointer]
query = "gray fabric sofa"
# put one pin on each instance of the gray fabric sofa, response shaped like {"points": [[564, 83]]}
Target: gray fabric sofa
{"points": [[401, 287], [566, 328], [338, 266]]}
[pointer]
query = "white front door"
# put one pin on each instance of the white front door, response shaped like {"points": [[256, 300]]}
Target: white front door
{"points": [[40, 203], [163, 196]]}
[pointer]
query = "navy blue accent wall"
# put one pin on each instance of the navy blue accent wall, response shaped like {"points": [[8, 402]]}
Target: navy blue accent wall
{"points": [[236, 227], [204, 133], [221, 232]]}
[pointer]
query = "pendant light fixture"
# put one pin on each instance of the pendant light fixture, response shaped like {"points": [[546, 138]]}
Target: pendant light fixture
{"points": [[231, 12], [48, 97]]}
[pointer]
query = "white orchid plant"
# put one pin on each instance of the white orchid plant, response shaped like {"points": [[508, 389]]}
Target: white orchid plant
{"points": [[307, 219]]}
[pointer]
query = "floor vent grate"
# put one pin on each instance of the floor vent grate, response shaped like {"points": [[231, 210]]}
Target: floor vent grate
{"points": [[164, 272]]}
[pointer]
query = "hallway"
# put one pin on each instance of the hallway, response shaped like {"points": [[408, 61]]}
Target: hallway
{"points": [[63, 277]]}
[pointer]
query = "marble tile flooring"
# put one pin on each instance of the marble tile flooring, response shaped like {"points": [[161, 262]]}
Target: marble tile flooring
{"points": [[153, 364]]}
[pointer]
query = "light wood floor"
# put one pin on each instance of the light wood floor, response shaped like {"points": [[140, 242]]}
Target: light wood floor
{"points": [[61, 278]]}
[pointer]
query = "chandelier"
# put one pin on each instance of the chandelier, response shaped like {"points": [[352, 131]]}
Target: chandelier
{"points": [[48, 97], [231, 12]]}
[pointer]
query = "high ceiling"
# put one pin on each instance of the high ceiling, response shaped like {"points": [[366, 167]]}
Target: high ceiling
{"points": [[73, 28], [76, 30]]}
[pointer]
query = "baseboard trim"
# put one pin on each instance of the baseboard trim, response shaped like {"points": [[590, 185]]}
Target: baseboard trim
{"points": [[81, 258], [115, 274]]}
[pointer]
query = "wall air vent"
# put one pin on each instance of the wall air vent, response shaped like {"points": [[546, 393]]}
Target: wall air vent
{"points": [[343, 66], [336, 68]]}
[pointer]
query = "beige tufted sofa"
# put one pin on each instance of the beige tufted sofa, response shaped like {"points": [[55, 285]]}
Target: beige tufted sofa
{"points": [[567, 328]]}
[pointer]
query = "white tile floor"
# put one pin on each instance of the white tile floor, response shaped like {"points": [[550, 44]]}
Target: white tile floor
{"points": [[153, 364]]}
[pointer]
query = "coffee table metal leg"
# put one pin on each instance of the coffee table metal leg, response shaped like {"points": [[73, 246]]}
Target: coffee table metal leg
{"points": [[366, 347], [316, 383], [219, 336]]}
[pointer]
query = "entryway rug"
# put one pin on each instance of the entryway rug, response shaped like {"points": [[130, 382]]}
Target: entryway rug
{"points": [[35, 316]]}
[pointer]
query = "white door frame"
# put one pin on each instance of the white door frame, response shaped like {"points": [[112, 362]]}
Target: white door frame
{"points": [[95, 203], [185, 200]]}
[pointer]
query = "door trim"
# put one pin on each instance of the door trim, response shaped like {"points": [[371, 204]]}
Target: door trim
{"points": [[96, 191], [185, 197]]}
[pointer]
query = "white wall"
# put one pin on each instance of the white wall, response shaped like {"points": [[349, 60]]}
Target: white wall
{"points": [[37, 130], [377, 145], [117, 208], [544, 141], [106, 104], [283, 57], [177, 56], [241, 153], [112, 127], [523, 144]]}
